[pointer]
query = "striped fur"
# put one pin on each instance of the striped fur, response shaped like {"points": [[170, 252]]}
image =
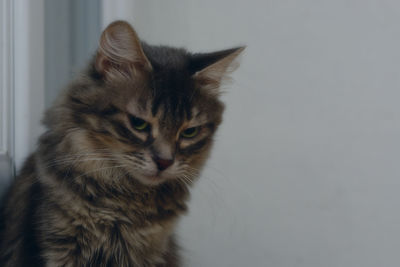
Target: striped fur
{"points": [[92, 194]]}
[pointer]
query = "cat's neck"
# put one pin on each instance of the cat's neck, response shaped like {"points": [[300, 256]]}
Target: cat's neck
{"points": [[128, 200]]}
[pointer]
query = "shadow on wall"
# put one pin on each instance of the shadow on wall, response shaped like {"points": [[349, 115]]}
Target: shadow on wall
{"points": [[5, 176], [72, 30]]}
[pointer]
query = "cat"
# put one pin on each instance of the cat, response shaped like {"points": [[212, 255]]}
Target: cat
{"points": [[124, 143]]}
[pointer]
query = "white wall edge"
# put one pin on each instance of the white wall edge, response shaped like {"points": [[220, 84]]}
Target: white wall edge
{"points": [[29, 76], [6, 91]]}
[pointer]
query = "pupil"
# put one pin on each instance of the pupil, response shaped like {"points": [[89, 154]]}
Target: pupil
{"points": [[190, 131], [136, 122]]}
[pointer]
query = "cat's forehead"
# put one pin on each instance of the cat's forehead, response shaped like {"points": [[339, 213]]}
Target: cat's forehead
{"points": [[170, 95], [164, 56], [170, 90]]}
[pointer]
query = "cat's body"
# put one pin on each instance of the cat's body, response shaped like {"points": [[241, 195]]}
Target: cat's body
{"points": [[111, 174], [61, 228]]}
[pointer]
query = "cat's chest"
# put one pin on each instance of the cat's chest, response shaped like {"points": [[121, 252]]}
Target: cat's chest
{"points": [[118, 243], [139, 245], [135, 236]]}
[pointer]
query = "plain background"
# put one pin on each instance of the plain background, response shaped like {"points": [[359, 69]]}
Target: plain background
{"points": [[305, 170]]}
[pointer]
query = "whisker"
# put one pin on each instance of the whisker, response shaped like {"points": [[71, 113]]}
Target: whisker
{"points": [[100, 169], [75, 161]]}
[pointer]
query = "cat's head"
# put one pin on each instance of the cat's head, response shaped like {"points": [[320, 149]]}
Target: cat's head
{"points": [[151, 110]]}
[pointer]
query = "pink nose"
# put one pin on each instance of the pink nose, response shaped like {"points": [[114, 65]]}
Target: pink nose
{"points": [[162, 164]]}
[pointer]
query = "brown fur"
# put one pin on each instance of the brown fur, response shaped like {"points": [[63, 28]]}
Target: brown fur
{"points": [[96, 191]]}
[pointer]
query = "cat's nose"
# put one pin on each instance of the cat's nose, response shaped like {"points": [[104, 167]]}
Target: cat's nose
{"points": [[162, 164]]}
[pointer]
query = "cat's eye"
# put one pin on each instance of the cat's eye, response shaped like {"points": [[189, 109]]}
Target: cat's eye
{"points": [[190, 132], [139, 124]]}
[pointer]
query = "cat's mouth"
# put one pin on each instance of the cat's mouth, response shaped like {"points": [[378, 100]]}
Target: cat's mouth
{"points": [[152, 179]]}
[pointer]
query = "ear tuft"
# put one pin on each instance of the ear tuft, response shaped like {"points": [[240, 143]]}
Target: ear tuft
{"points": [[211, 69], [120, 50]]}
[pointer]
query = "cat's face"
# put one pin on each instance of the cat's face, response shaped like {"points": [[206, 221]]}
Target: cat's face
{"points": [[154, 109], [157, 129], [167, 142]]}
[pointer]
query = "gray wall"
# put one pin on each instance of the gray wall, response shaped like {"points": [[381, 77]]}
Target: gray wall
{"points": [[306, 169], [72, 30]]}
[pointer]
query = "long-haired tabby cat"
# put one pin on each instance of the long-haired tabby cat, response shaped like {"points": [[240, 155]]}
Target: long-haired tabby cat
{"points": [[123, 143]]}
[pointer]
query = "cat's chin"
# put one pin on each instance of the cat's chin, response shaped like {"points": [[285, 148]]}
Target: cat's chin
{"points": [[151, 180]]}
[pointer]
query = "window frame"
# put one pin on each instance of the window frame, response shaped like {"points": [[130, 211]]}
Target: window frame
{"points": [[6, 92]]}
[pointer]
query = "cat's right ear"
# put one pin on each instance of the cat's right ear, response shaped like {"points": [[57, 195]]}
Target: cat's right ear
{"points": [[211, 69], [120, 51]]}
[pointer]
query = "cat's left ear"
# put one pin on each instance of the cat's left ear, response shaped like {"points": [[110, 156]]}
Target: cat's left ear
{"points": [[120, 51], [212, 68]]}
